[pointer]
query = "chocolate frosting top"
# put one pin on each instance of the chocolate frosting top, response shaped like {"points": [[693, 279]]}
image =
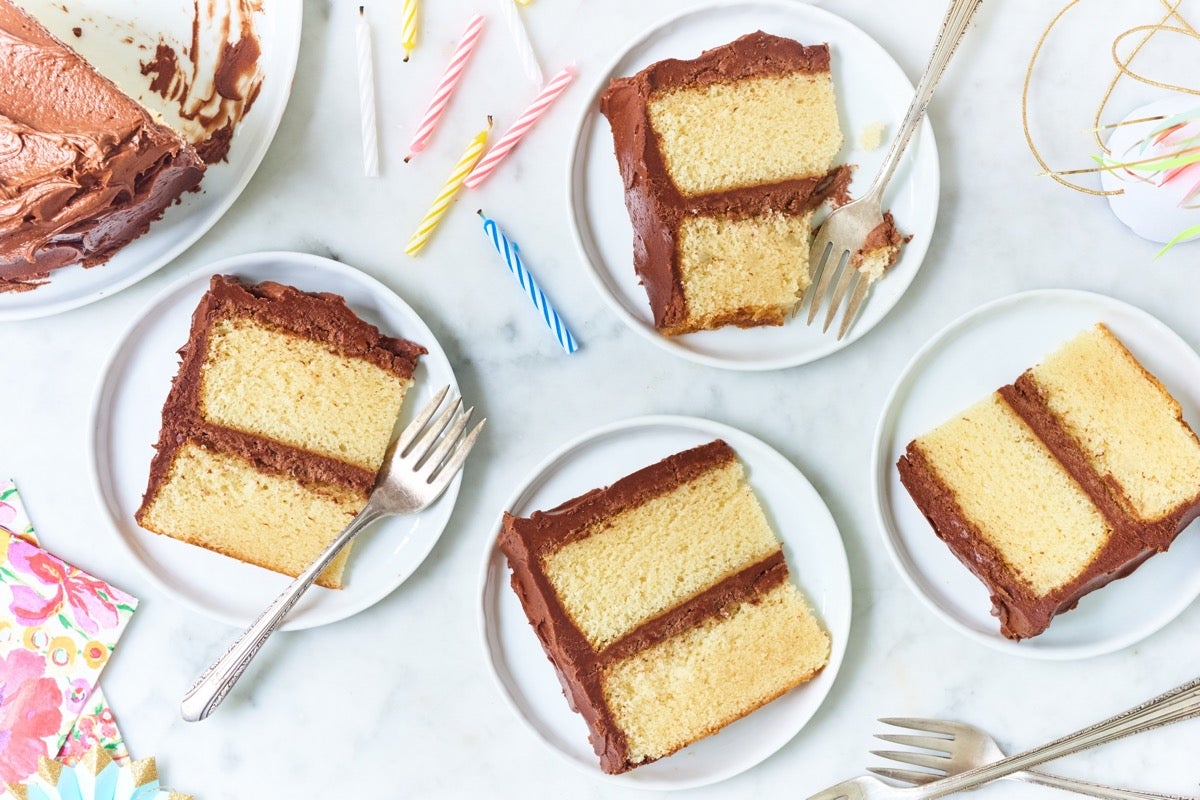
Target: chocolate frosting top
{"points": [[655, 205], [527, 541], [72, 146]]}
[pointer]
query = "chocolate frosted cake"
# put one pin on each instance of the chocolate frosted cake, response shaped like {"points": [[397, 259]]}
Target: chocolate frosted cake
{"points": [[665, 605], [275, 426], [1061, 482], [84, 169], [724, 158]]}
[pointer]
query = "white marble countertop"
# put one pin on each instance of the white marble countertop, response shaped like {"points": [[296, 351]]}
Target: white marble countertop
{"points": [[396, 701]]}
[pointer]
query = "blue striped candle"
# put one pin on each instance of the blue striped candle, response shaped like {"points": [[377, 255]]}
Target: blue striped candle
{"points": [[511, 254]]}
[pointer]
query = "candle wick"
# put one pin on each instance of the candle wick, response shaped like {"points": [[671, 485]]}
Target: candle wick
{"points": [[360, 11]]}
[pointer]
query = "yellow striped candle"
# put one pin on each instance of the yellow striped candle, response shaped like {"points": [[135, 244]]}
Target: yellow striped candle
{"points": [[408, 27], [441, 203]]}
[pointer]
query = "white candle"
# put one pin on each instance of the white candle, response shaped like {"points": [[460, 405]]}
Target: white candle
{"points": [[520, 36], [366, 97]]}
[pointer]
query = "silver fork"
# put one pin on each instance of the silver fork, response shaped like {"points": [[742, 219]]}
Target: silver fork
{"points": [[1179, 704], [418, 467], [959, 747], [845, 230]]}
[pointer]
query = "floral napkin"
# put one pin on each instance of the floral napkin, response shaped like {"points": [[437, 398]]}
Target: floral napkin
{"points": [[58, 626]]}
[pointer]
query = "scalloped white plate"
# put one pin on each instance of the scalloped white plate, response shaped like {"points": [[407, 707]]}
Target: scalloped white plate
{"points": [[871, 87], [813, 548], [105, 25], [127, 411], [973, 356]]}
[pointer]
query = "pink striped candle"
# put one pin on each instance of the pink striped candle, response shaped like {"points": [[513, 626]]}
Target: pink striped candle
{"points": [[445, 88], [512, 137]]}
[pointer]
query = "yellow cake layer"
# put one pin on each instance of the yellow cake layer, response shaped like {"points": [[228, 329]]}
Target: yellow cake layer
{"points": [[757, 264], [1124, 419], [747, 132], [1025, 505], [648, 559], [222, 502], [687, 687], [271, 384]]}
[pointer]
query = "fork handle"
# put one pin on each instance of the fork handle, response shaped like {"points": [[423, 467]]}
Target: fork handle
{"points": [[214, 684], [1091, 789], [958, 17]]}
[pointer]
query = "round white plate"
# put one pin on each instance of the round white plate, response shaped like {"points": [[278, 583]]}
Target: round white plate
{"points": [[128, 409], [813, 548], [106, 24], [871, 87], [972, 357]]}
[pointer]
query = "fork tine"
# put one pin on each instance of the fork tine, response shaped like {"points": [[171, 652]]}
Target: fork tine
{"points": [[842, 790], [860, 292], [925, 724], [910, 776], [832, 264], [927, 760], [446, 445], [441, 478], [413, 428], [935, 743], [422, 446], [848, 278], [818, 257]]}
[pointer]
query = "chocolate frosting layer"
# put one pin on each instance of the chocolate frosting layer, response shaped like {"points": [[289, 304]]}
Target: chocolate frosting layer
{"points": [[321, 317], [527, 541], [84, 170], [655, 205], [1021, 612]]}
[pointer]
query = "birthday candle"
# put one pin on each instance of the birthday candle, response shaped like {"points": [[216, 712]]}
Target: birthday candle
{"points": [[366, 97], [442, 202], [408, 27], [520, 37], [445, 88], [513, 135], [511, 254]]}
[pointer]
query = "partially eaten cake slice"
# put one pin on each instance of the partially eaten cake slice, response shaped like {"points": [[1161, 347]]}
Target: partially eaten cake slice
{"points": [[724, 159], [665, 604], [1061, 482], [275, 426], [84, 169]]}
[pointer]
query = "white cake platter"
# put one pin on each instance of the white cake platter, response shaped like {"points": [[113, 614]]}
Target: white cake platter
{"points": [[111, 32]]}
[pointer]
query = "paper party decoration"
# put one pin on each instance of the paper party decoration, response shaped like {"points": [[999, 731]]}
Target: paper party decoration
{"points": [[95, 777], [58, 627]]}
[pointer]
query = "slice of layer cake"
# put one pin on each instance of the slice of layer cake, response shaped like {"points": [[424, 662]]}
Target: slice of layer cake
{"points": [[84, 169], [724, 159], [275, 426], [1061, 482], [665, 605]]}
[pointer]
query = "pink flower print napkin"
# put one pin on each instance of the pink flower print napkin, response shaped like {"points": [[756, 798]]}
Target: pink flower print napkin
{"points": [[58, 626], [12, 513]]}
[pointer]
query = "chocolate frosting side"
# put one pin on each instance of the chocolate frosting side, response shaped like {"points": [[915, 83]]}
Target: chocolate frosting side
{"points": [[1021, 612], [321, 317], [655, 205], [526, 541], [84, 169]]}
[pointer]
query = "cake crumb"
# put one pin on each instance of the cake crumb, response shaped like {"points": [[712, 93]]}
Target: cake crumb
{"points": [[871, 136], [77, 31]]}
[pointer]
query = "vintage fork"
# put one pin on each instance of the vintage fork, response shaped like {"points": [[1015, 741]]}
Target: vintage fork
{"points": [[845, 230], [418, 467], [1179, 704], [959, 747]]}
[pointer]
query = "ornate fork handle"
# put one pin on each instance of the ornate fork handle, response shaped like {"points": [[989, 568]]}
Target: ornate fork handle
{"points": [[1091, 789], [212, 686], [1176, 705], [958, 17]]}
